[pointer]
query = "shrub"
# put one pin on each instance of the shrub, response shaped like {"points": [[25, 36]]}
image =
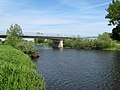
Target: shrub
{"points": [[105, 41], [28, 48], [50, 42], [68, 42]]}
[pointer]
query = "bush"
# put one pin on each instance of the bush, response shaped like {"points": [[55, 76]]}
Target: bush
{"points": [[39, 40], [68, 43], [105, 41], [50, 42], [28, 48], [17, 71]]}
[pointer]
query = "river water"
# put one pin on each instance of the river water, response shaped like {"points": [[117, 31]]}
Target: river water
{"points": [[70, 69]]}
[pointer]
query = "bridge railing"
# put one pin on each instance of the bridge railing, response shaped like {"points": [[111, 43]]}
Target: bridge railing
{"points": [[49, 34]]}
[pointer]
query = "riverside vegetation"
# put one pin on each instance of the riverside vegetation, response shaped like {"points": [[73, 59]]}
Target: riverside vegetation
{"points": [[102, 42], [43, 42], [14, 39], [17, 71]]}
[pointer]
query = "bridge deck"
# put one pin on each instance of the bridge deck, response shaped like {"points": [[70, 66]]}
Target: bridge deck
{"points": [[40, 36]]}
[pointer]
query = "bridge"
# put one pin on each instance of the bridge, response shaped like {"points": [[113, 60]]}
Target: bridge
{"points": [[57, 38]]}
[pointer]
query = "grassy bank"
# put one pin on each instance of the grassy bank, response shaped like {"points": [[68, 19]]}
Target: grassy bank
{"points": [[17, 71]]}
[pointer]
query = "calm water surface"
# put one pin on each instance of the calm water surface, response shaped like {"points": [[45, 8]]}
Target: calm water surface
{"points": [[70, 69]]}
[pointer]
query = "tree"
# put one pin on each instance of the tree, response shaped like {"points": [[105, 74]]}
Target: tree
{"points": [[116, 33], [14, 35], [114, 18], [39, 40], [113, 13]]}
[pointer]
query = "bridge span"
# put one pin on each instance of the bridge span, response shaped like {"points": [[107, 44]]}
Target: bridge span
{"points": [[57, 39]]}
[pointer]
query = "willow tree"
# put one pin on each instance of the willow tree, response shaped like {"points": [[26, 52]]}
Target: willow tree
{"points": [[14, 35], [113, 14]]}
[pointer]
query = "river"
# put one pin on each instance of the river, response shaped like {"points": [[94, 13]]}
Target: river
{"points": [[70, 69]]}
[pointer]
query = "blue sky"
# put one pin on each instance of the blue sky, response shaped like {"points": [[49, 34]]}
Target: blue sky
{"points": [[75, 17]]}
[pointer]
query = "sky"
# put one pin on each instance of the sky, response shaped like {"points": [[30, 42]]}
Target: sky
{"points": [[74, 17]]}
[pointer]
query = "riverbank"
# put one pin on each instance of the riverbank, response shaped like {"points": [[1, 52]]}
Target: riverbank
{"points": [[18, 71], [102, 42], [28, 48]]}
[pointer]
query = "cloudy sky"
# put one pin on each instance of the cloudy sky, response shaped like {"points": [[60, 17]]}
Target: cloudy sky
{"points": [[76, 17]]}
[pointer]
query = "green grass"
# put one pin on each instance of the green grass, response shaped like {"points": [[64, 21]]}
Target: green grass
{"points": [[18, 71]]}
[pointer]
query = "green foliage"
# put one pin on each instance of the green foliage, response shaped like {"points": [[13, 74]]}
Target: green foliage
{"points": [[113, 12], [43, 42], [14, 39], [79, 43], [103, 41], [17, 71], [28, 48], [68, 43], [14, 35], [50, 42], [116, 33], [39, 40], [114, 18]]}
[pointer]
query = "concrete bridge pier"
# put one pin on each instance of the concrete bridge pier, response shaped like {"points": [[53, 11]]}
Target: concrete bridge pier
{"points": [[57, 43]]}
